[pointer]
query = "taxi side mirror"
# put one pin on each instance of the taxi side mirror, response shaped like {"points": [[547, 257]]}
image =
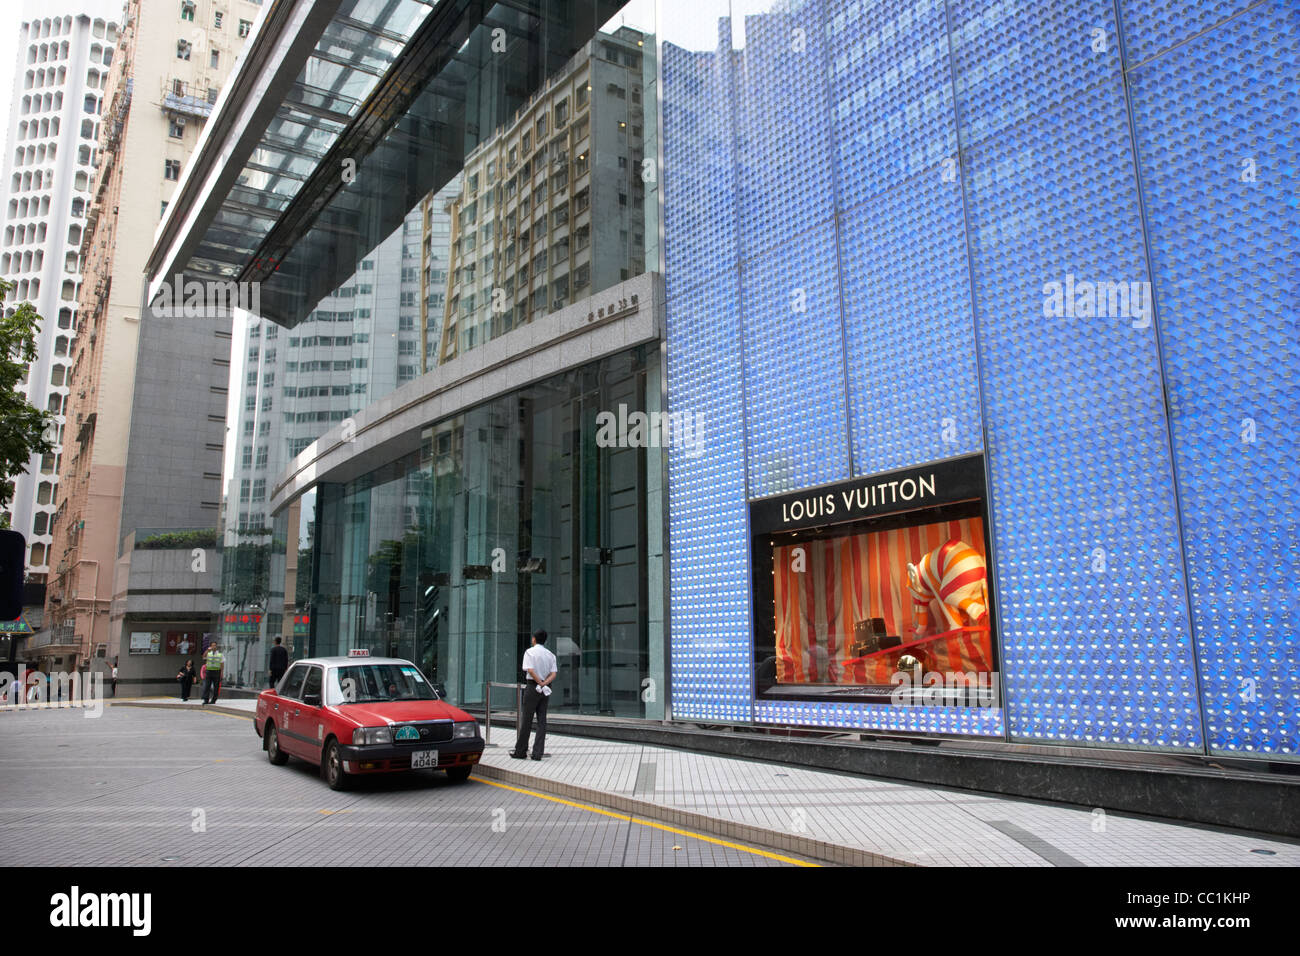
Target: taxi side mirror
{"points": [[311, 700]]}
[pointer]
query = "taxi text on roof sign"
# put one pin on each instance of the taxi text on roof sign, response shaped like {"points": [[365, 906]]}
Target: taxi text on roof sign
{"points": [[359, 652]]}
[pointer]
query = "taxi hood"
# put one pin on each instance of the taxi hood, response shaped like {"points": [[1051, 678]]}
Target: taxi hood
{"points": [[379, 713]]}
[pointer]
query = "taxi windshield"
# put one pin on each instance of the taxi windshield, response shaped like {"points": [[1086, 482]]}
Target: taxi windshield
{"points": [[369, 683]]}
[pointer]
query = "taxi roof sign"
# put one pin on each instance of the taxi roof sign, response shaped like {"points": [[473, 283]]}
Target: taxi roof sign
{"points": [[359, 652]]}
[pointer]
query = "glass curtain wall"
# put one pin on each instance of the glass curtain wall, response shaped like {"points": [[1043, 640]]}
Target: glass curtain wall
{"points": [[511, 517]]}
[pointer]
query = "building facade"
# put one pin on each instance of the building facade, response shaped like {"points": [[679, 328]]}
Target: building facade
{"points": [[59, 81], [170, 63], [948, 402], [988, 400], [553, 204]]}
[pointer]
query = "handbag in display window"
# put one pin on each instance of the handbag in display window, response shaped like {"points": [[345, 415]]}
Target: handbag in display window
{"points": [[866, 639]]}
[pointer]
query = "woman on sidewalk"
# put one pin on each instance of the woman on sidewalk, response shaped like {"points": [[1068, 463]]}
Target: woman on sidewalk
{"points": [[187, 676]]}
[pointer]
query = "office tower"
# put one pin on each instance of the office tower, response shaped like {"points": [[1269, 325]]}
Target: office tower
{"points": [[170, 63]]}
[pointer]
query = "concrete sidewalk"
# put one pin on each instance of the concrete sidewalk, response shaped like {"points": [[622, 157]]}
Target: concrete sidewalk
{"points": [[843, 818]]}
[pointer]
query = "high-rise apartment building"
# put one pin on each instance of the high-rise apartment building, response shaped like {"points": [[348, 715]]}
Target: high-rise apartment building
{"points": [[552, 205], [63, 64], [171, 60]]}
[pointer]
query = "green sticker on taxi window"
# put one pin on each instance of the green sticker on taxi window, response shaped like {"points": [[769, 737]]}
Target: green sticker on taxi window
{"points": [[413, 672]]}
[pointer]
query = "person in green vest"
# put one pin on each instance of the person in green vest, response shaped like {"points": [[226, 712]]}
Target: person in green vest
{"points": [[213, 663]]}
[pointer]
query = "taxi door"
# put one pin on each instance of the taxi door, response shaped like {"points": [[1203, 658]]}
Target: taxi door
{"points": [[283, 703], [306, 722]]}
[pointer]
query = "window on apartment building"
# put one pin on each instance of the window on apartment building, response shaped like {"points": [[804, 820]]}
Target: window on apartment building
{"points": [[171, 169], [178, 87], [561, 113], [216, 19], [176, 127], [245, 27], [262, 454], [246, 460], [183, 48], [187, 9], [214, 60], [250, 404], [212, 94], [581, 98], [163, 211]]}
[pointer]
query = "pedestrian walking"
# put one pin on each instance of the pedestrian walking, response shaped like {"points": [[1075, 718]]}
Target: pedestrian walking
{"points": [[114, 694], [539, 665], [187, 676], [279, 661], [213, 663]]}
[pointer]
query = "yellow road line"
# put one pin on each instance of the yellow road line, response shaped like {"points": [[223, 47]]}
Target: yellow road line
{"points": [[646, 823]]}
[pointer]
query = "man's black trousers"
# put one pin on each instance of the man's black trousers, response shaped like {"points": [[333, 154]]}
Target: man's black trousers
{"points": [[535, 702], [211, 686]]}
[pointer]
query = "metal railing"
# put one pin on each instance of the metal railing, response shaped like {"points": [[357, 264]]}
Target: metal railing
{"points": [[487, 708]]}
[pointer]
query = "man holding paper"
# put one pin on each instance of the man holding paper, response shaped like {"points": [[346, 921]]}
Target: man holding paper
{"points": [[539, 665]]}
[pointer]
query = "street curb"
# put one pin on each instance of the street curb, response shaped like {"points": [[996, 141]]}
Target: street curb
{"points": [[210, 708], [794, 843]]}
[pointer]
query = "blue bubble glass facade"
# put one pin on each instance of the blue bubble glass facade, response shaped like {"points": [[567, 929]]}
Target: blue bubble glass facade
{"points": [[1064, 235]]}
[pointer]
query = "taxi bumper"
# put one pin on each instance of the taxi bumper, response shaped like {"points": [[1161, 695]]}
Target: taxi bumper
{"points": [[381, 758]]}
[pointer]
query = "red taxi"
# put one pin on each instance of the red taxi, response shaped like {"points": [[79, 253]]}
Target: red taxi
{"points": [[358, 714]]}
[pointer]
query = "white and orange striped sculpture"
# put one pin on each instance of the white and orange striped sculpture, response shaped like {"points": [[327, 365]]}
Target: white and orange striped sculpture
{"points": [[953, 575]]}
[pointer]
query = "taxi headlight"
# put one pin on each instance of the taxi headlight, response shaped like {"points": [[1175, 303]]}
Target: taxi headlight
{"points": [[372, 735], [464, 728]]}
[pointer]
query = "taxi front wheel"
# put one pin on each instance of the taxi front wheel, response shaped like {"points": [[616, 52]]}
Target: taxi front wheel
{"points": [[273, 751], [333, 766]]}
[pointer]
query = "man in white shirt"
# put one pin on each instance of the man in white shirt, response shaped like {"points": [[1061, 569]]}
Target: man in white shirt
{"points": [[539, 665]]}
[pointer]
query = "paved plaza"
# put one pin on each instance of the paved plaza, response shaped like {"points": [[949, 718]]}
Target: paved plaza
{"points": [[152, 782]]}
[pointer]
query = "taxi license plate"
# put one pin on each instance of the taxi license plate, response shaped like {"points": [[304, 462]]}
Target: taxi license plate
{"points": [[424, 758]]}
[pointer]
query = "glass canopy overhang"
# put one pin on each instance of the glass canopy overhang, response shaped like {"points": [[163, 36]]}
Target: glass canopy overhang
{"points": [[383, 109]]}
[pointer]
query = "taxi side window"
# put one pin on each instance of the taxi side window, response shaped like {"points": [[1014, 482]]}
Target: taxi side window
{"points": [[292, 686], [312, 684]]}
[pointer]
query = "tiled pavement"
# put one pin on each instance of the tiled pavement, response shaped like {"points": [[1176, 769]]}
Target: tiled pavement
{"points": [[167, 788], [859, 820]]}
